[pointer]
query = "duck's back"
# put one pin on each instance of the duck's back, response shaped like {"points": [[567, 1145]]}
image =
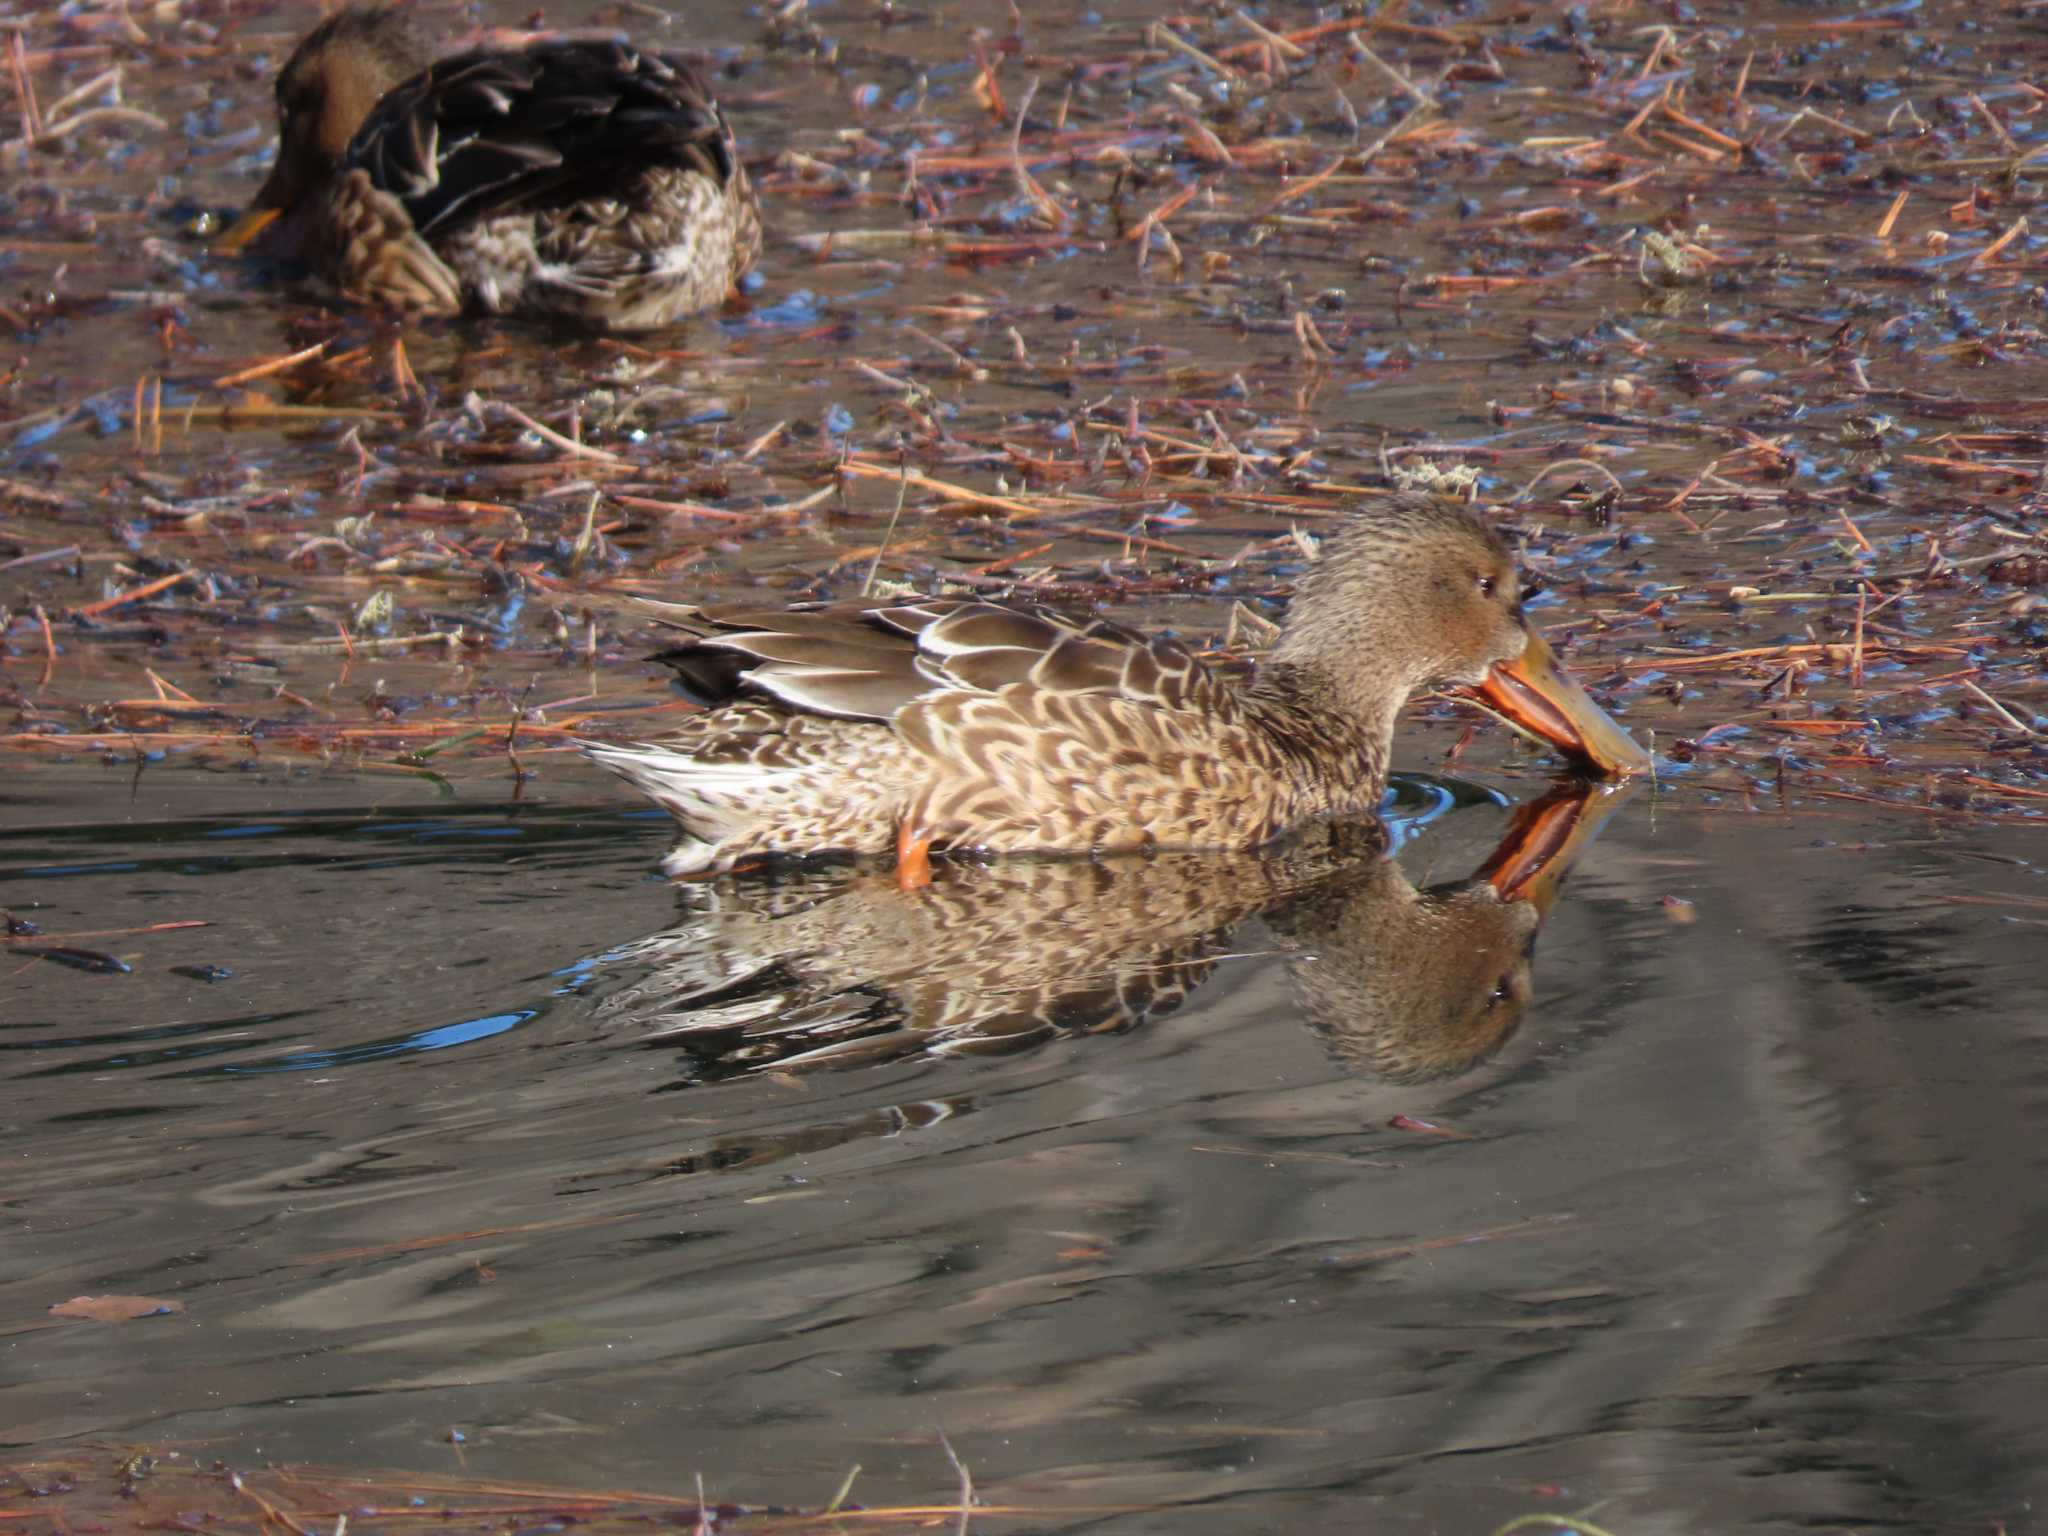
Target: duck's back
{"points": [[1011, 727], [585, 178]]}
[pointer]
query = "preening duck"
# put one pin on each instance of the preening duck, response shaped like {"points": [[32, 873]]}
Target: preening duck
{"points": [[580, 180]]}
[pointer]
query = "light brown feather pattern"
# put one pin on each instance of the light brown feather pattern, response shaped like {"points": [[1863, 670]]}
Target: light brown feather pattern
{"points": [[1009, 729], [375, 257], [1016, 727]]}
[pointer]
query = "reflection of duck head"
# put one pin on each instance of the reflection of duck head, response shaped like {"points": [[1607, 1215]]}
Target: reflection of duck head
{"points": [[1411, 984], [818, 966]]}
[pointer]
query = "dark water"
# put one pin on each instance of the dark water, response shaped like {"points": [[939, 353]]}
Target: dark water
{"points": [[1741, 1227]]}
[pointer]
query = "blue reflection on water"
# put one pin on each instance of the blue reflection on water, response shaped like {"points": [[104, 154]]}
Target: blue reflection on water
{"points": [[438, 1038], [1414, 801]]}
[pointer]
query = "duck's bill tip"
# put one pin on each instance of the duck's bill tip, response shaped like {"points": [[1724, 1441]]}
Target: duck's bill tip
{"points": [[241, 234], [1534, 693]]}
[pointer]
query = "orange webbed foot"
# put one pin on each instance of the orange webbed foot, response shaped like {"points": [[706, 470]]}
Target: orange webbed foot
{"points": [[913, 859]]}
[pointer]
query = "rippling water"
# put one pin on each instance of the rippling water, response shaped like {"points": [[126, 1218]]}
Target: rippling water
{"points": [[1740, 1225]]}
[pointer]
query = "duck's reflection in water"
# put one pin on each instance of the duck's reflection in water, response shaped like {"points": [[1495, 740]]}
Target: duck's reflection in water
{"points": [[811, 966]]}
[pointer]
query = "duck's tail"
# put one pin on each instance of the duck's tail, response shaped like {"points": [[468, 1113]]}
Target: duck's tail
{"points": [[736, 804], [718, 805]]}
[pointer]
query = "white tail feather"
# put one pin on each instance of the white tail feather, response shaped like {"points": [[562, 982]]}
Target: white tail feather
{"points": [[711, 800]]}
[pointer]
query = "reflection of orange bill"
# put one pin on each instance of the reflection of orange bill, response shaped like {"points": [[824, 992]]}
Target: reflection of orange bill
{"points": [[238, 236], [1546, 837], [1537, 695]]}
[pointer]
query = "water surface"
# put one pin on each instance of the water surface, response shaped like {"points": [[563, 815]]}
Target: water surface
{"points": [[1736, 1227]]}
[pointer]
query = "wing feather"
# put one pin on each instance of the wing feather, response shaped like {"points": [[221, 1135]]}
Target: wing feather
{"points": [[487, 133], [853, 661], [845, 695]]}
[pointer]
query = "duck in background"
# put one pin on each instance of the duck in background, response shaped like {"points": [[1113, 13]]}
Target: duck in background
{"points": [[584, 181]]}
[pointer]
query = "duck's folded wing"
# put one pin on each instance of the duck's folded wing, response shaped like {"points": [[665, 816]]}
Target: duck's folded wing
{"points": [[987, 647], [836, 659], [858, 662], [493, 132]]}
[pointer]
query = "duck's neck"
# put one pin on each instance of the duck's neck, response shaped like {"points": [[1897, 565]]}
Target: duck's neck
{"points": [[1343, 723]]}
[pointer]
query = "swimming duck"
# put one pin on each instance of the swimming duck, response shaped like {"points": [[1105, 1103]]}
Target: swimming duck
{"points": [[1016, 727], [581, 180]]}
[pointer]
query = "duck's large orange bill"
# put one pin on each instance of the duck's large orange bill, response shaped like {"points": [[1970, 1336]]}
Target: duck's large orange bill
{"points": [[238, 236], [1535, 694], [1545, 841]]}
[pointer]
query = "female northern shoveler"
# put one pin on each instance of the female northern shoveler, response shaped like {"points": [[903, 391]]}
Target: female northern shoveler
{"points": [[1013, 727], [582, 180]]}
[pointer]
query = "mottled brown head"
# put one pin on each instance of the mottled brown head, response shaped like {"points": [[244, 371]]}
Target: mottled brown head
{"points": [[1420, 591], [341, 69], [1412, 985], [1412, 592]]}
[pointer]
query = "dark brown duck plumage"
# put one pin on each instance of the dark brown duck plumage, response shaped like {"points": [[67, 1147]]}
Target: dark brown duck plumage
{"points": [[1014, 727], [578, 179]]}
